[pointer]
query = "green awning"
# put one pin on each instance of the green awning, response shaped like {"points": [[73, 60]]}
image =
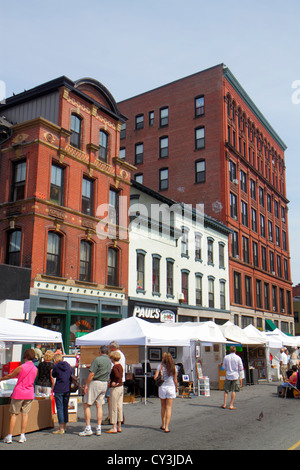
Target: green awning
{"points": [[270, 325]]}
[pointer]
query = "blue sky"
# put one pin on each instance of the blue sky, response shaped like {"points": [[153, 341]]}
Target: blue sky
{"points": [[133, 46]]}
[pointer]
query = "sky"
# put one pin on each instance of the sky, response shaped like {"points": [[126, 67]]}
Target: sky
{"points": [[134, 46]]}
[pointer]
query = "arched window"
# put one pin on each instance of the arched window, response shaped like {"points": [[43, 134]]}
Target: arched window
{"points": [[13, 251], [103, 144], [53, 267], [75, 139], [112, 267], [85, 261]]}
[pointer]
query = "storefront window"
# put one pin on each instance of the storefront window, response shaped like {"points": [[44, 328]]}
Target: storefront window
{"points": [[80, 325]]}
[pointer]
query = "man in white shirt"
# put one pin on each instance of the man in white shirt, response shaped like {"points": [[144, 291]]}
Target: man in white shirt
{"points": [[283, 363], [234, 374]]}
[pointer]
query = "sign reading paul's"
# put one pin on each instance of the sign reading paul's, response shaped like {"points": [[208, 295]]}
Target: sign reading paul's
{"points": [[158, 313]]}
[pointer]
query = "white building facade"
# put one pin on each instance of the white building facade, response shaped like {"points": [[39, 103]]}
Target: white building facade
{"points": [[178, 261]]}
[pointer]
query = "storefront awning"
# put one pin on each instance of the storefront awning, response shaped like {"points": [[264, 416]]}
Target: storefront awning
{"points": [[270, 325]]}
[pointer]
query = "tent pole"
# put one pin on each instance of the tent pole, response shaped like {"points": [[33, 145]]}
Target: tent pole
{"points": [[145, 372]]}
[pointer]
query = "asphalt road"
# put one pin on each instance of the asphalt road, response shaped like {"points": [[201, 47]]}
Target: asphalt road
{"points": [[197, 424]]}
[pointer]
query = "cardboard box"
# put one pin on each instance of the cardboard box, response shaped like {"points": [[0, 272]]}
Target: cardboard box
{"points": [[40, 417]]}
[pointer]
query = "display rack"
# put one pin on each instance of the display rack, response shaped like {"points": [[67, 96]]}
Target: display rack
{"points": [[203, 386]]}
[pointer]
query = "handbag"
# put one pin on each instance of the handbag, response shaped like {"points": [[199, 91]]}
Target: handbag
{"points": [[159, 379], [74, 384]]}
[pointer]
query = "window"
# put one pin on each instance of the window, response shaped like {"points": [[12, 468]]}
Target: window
{"points": [[262, 226], [267, 296], [87, 196], [155, 274], [198, 240], [198, 289], [248, 292], [85, 261], [13, 250], [170, 277], [245, 241], [279, 266], [140, 271], [112, 267], [258, 294], [163, 117], [270, 230], [163, 147], [139, 121], [244, 211], [151, 118], [57, 184], [284, 240], [113, 207], [123, 131], [53, 266], [232, 171], [276, 209], [211, 292], [253, 189], [253, 220], [19, 179], [185, 286], [235, 244], [264, 258], [286, 269], [163, 179], [221, 255], [274, 298], [122, 153], [210, 251], [139, 178], [269, 203], [255, 254], [237, 288], [139, 153], [200, 171], [277, 235], [199, 106], [75, 139], [281, 300], [103, 146], [222, 295], [243, 181], [271, 259], [261, 197], [233, 206], [199, 138], [185, 242]]}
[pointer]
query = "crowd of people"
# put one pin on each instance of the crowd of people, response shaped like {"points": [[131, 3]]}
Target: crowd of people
{"points": [[49, 374]]}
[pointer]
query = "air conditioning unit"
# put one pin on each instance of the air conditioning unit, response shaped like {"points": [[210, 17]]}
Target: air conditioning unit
{"points": [[235, 181], [181, 298], [273, 272], [274, 309], [283, 310]]}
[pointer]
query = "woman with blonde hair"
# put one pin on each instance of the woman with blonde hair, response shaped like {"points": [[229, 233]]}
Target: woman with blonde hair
{"points": [[115, 393], [167, 391], [43, 383]]}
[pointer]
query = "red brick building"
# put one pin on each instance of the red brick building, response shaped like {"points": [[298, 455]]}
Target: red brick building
{"points": [[201, 139], [60, 174]]}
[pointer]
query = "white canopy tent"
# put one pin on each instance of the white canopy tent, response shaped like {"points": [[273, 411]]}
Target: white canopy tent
{"points": [[285, 339], [208, 331], [254, 333], [237, 335], [16, 332]]}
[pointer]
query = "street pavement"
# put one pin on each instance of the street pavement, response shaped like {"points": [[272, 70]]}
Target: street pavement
{"points": [[197, 424]]}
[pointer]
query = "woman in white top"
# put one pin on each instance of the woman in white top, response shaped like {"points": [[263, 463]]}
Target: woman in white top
{"points": [[167, 391]]}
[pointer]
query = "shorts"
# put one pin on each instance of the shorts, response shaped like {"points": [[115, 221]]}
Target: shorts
{"points": [[95, 393], [232, 385], [20, 406], [167, 391]]}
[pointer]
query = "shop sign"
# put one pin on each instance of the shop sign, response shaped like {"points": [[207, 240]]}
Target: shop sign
{"points": [[154, 314], [83, 326]]}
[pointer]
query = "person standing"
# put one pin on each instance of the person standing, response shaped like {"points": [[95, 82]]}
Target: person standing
{"points": [[23, 394], [114, 347], [115, 393], [95, 389], [167, 391], [233, 365], [61, 372], [283, 363], [43, 384]]}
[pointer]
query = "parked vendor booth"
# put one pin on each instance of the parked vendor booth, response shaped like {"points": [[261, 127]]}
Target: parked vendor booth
{"points": [[252, 351], [13, 333]]}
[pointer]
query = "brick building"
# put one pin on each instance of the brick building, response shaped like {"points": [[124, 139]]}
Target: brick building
{"points": [[60, 174], [202, 140]]}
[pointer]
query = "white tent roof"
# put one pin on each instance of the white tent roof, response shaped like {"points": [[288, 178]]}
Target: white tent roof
{"points": [[199, 331], [254, 333], [280, 336], [21, 333], [134, 331], [236, 334]]}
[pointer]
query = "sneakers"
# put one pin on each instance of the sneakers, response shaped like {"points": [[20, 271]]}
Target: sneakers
{"points": [[98, 432], [22, 438], [58, 431], [8, 439], [86, 432]]}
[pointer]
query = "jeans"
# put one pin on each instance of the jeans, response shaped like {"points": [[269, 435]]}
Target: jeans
{"points": [[62, 402]]}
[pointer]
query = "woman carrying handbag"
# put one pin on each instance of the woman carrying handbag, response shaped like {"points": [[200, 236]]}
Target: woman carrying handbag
{"points": [[168, 388]]}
